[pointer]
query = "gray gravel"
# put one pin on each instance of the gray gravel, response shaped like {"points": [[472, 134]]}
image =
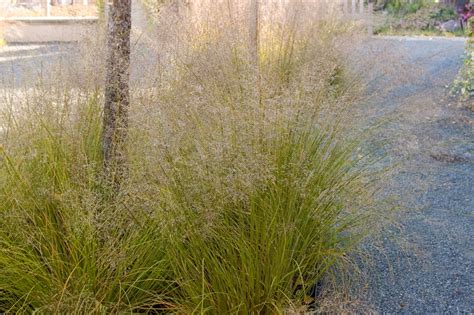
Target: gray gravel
{"points": [[427, 266]]}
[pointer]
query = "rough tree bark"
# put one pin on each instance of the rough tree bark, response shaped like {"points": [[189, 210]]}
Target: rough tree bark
{"points": [[117, 94]]}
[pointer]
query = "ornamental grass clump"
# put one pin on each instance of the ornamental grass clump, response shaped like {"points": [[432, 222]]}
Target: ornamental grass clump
{"points": [[59, 250], [246, 187]]}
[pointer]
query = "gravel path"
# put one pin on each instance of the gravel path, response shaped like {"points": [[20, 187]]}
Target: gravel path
{"points": [[427, 266]]}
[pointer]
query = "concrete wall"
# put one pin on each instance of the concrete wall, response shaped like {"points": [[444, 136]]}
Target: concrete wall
{"points": [[50, 29]]}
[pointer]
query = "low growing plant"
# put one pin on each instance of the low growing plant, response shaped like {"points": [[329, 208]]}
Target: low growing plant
{"points": [[464, 84]]}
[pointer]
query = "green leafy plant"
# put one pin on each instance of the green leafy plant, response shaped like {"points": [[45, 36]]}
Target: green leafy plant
{"points": [[404, 7], [425, 20], [463, 86]]}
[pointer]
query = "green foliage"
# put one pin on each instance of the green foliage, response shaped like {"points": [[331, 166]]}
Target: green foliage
{"points": [[101, 7], [425, 20], [404, 7], [444, 14], [464, 83]]}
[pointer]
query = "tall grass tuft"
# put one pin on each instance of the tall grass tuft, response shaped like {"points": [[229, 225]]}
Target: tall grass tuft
{"points": [[246, 187], [265, 253], [55, 255]]}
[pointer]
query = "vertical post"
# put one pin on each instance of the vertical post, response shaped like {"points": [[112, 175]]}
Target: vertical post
{"points": [[370, 19], [361, 8], [353, 8], [47, 7], [345, 7]]}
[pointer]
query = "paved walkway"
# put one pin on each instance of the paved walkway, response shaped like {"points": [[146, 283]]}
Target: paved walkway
{"points": [[427, 267]]}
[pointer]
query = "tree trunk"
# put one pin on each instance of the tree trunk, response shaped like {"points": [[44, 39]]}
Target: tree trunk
{"points": [[117, 94]]}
